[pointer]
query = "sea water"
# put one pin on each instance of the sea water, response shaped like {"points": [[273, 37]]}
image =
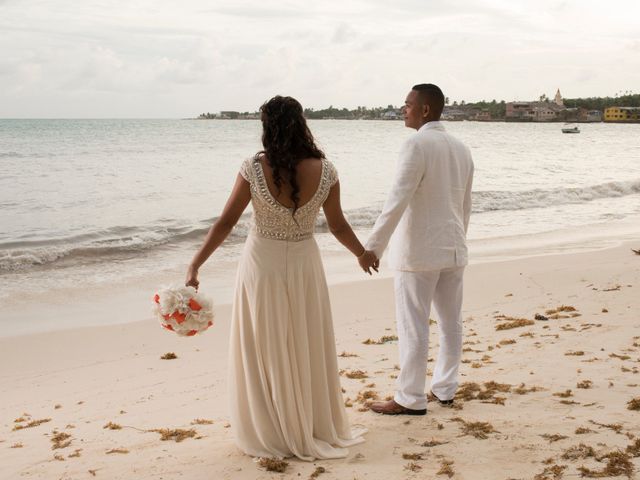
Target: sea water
{"points": [[94, 202]]}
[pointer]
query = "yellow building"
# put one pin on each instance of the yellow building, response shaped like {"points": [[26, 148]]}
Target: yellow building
{"points": [[622, 114]]}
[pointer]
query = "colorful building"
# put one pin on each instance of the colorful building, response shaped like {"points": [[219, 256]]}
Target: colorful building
{"points": [[589, 115], [622, 114]]}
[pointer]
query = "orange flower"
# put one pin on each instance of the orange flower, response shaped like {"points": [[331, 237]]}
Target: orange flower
{"points": [[166, 317], [157, 298], [191, 333], [180, 317], [210, 323], [193, 305], [168, 327]]}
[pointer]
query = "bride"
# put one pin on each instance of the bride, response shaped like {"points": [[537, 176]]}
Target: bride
{"points": [[285, 392]]}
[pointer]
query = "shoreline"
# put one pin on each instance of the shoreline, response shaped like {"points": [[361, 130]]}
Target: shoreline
{"points": [[336, 270], [400, 119], [83, 378], [93, 304]]}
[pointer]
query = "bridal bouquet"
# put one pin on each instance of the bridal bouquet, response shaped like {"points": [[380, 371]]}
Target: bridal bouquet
{"points": [[183, 310]]}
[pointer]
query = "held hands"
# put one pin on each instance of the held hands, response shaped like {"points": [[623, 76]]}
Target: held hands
{"points": [[368, 260], [192, 278]]}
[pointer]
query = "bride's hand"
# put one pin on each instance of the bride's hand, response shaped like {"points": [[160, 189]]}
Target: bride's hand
{"points": [[192, 278], [368, 260]]}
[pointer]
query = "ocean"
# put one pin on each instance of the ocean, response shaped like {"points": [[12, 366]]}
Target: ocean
{"points": [[101, 202]]}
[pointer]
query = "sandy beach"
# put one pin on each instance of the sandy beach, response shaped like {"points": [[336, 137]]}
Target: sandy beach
{"points": [[539, 398]]}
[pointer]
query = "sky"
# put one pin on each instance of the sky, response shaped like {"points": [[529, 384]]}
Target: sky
{"points": [[168, 59]]}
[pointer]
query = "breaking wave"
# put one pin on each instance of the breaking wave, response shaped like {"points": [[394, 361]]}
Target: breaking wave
{"points": [[128, 241]]}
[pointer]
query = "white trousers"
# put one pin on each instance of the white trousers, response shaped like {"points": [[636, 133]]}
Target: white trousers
{"points": [[414, 292]]}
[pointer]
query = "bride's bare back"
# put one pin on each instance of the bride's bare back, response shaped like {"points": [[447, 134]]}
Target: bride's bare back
{"points": [[308, 173]]}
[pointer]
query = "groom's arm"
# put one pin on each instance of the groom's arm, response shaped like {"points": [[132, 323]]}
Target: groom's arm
{"points": [[409, 173], [467, 201]]}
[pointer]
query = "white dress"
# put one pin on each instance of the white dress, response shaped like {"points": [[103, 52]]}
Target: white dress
{"points": [[286, 398]]}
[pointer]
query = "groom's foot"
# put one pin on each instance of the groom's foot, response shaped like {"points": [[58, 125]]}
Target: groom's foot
{"points": [[444, 403], [393, 408]]}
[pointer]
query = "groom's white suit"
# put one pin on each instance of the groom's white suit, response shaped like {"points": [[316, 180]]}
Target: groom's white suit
{"points": [[425, 217]]}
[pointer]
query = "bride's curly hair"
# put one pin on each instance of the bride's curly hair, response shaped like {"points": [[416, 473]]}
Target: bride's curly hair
{"points": [[286, 139]]}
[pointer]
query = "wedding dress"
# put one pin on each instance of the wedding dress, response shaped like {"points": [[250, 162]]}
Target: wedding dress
{"points": [[286, 398]]}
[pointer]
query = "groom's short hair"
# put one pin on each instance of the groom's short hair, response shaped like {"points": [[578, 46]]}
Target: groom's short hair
{"points": [[431, 95]]}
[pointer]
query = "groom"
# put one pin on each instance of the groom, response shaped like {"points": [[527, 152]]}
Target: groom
{"points": [[427, 211]]}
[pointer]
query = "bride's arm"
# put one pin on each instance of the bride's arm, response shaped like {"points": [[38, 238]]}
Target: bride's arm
{"points": [[341, 229], [236, 204]]}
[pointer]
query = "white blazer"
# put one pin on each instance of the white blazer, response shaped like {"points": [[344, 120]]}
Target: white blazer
{"points": [[426, 214]]}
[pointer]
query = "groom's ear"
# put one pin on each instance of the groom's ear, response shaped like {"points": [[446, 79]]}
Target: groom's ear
{"points": [[426, 109]]}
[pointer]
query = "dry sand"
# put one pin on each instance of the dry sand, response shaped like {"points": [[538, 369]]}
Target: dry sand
{"points": [[92, 402]]}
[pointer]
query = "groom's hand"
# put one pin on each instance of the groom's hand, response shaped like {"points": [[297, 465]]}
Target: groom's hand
{"points": [[368, 260]]}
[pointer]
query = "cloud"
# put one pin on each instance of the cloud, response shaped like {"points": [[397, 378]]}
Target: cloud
{"points": [[260, 12], [343, 34], [634, 46], [178, 59]]}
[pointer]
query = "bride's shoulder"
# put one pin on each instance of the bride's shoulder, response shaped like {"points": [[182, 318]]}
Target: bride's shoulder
{"points": [[247, 168], [331, 171]]}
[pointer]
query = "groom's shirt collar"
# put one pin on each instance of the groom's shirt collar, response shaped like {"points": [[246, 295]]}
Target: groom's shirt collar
{"points": [[436, 124]]}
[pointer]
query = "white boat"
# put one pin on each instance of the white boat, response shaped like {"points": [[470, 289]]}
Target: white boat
{"points": [[570, 129]]}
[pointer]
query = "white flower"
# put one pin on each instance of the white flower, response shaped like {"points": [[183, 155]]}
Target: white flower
{"points": [[173, 310]]}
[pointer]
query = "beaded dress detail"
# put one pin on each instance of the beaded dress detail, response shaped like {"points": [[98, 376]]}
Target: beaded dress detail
{"points": [[273, 220], [284, 388]]}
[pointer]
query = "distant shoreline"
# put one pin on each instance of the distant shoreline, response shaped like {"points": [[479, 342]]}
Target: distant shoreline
{"points": [[444, 120], [623, 109]]}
